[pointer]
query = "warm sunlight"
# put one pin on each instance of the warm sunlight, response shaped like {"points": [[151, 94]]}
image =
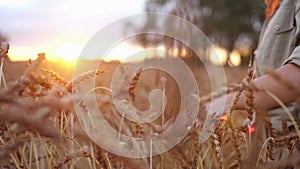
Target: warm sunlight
{"points": [[234, 58], [218, 56], [125, 52], [68, 51], [22, 53], [65, 53]]}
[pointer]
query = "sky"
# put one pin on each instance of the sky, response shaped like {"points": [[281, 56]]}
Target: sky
{"points": [[60, 28]]}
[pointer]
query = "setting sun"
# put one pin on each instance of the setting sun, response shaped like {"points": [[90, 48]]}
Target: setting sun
{"points": [[68, 51]]}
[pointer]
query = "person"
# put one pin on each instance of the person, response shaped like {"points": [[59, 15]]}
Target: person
{"points": [[278, 49]]}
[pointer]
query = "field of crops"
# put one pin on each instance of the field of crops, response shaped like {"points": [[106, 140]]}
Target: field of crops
{"points": [[39, 127]]}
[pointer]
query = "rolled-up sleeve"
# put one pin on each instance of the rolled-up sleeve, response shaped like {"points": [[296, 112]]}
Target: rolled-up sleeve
{"points": [[295, 54], [294, 57]]}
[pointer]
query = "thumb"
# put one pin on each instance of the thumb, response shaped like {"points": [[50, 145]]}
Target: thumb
{"points": [[209, 127]]}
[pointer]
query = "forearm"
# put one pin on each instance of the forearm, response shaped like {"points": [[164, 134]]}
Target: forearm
{"points": [[290, 73]]}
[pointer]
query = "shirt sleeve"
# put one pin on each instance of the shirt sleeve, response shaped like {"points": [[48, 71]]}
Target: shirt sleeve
{"points": [[294, 57]]}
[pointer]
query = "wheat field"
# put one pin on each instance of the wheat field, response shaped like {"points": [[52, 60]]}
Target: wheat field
{"points": [[39, 127]]}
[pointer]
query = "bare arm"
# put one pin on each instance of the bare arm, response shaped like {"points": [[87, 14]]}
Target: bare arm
{"points": [[290, 73]]}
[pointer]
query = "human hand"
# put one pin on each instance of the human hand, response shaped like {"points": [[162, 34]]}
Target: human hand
{"points": [[216, 108]]}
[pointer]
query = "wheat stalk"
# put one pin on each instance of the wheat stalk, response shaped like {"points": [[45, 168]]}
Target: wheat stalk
{"points": [[133, 83]]}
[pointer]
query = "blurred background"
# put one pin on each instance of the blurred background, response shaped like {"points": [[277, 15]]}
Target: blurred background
{"points": [[60, 29]]}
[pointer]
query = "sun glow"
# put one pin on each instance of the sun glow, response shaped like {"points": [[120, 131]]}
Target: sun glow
{"points": [[234, 59], [218, 56], [125, 52], [68, 51], [22, 53]]}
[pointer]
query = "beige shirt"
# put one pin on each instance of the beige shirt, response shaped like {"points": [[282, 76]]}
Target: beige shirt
{"points": [[278, 45]]}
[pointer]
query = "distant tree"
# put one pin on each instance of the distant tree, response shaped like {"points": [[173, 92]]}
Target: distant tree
{"points": [[231, 24], [228, 21]]}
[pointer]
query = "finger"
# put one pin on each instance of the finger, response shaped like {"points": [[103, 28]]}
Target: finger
{"points": [[208, 129]]}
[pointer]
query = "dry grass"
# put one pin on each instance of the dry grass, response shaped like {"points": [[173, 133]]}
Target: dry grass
{"points": [[39, 127]]}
